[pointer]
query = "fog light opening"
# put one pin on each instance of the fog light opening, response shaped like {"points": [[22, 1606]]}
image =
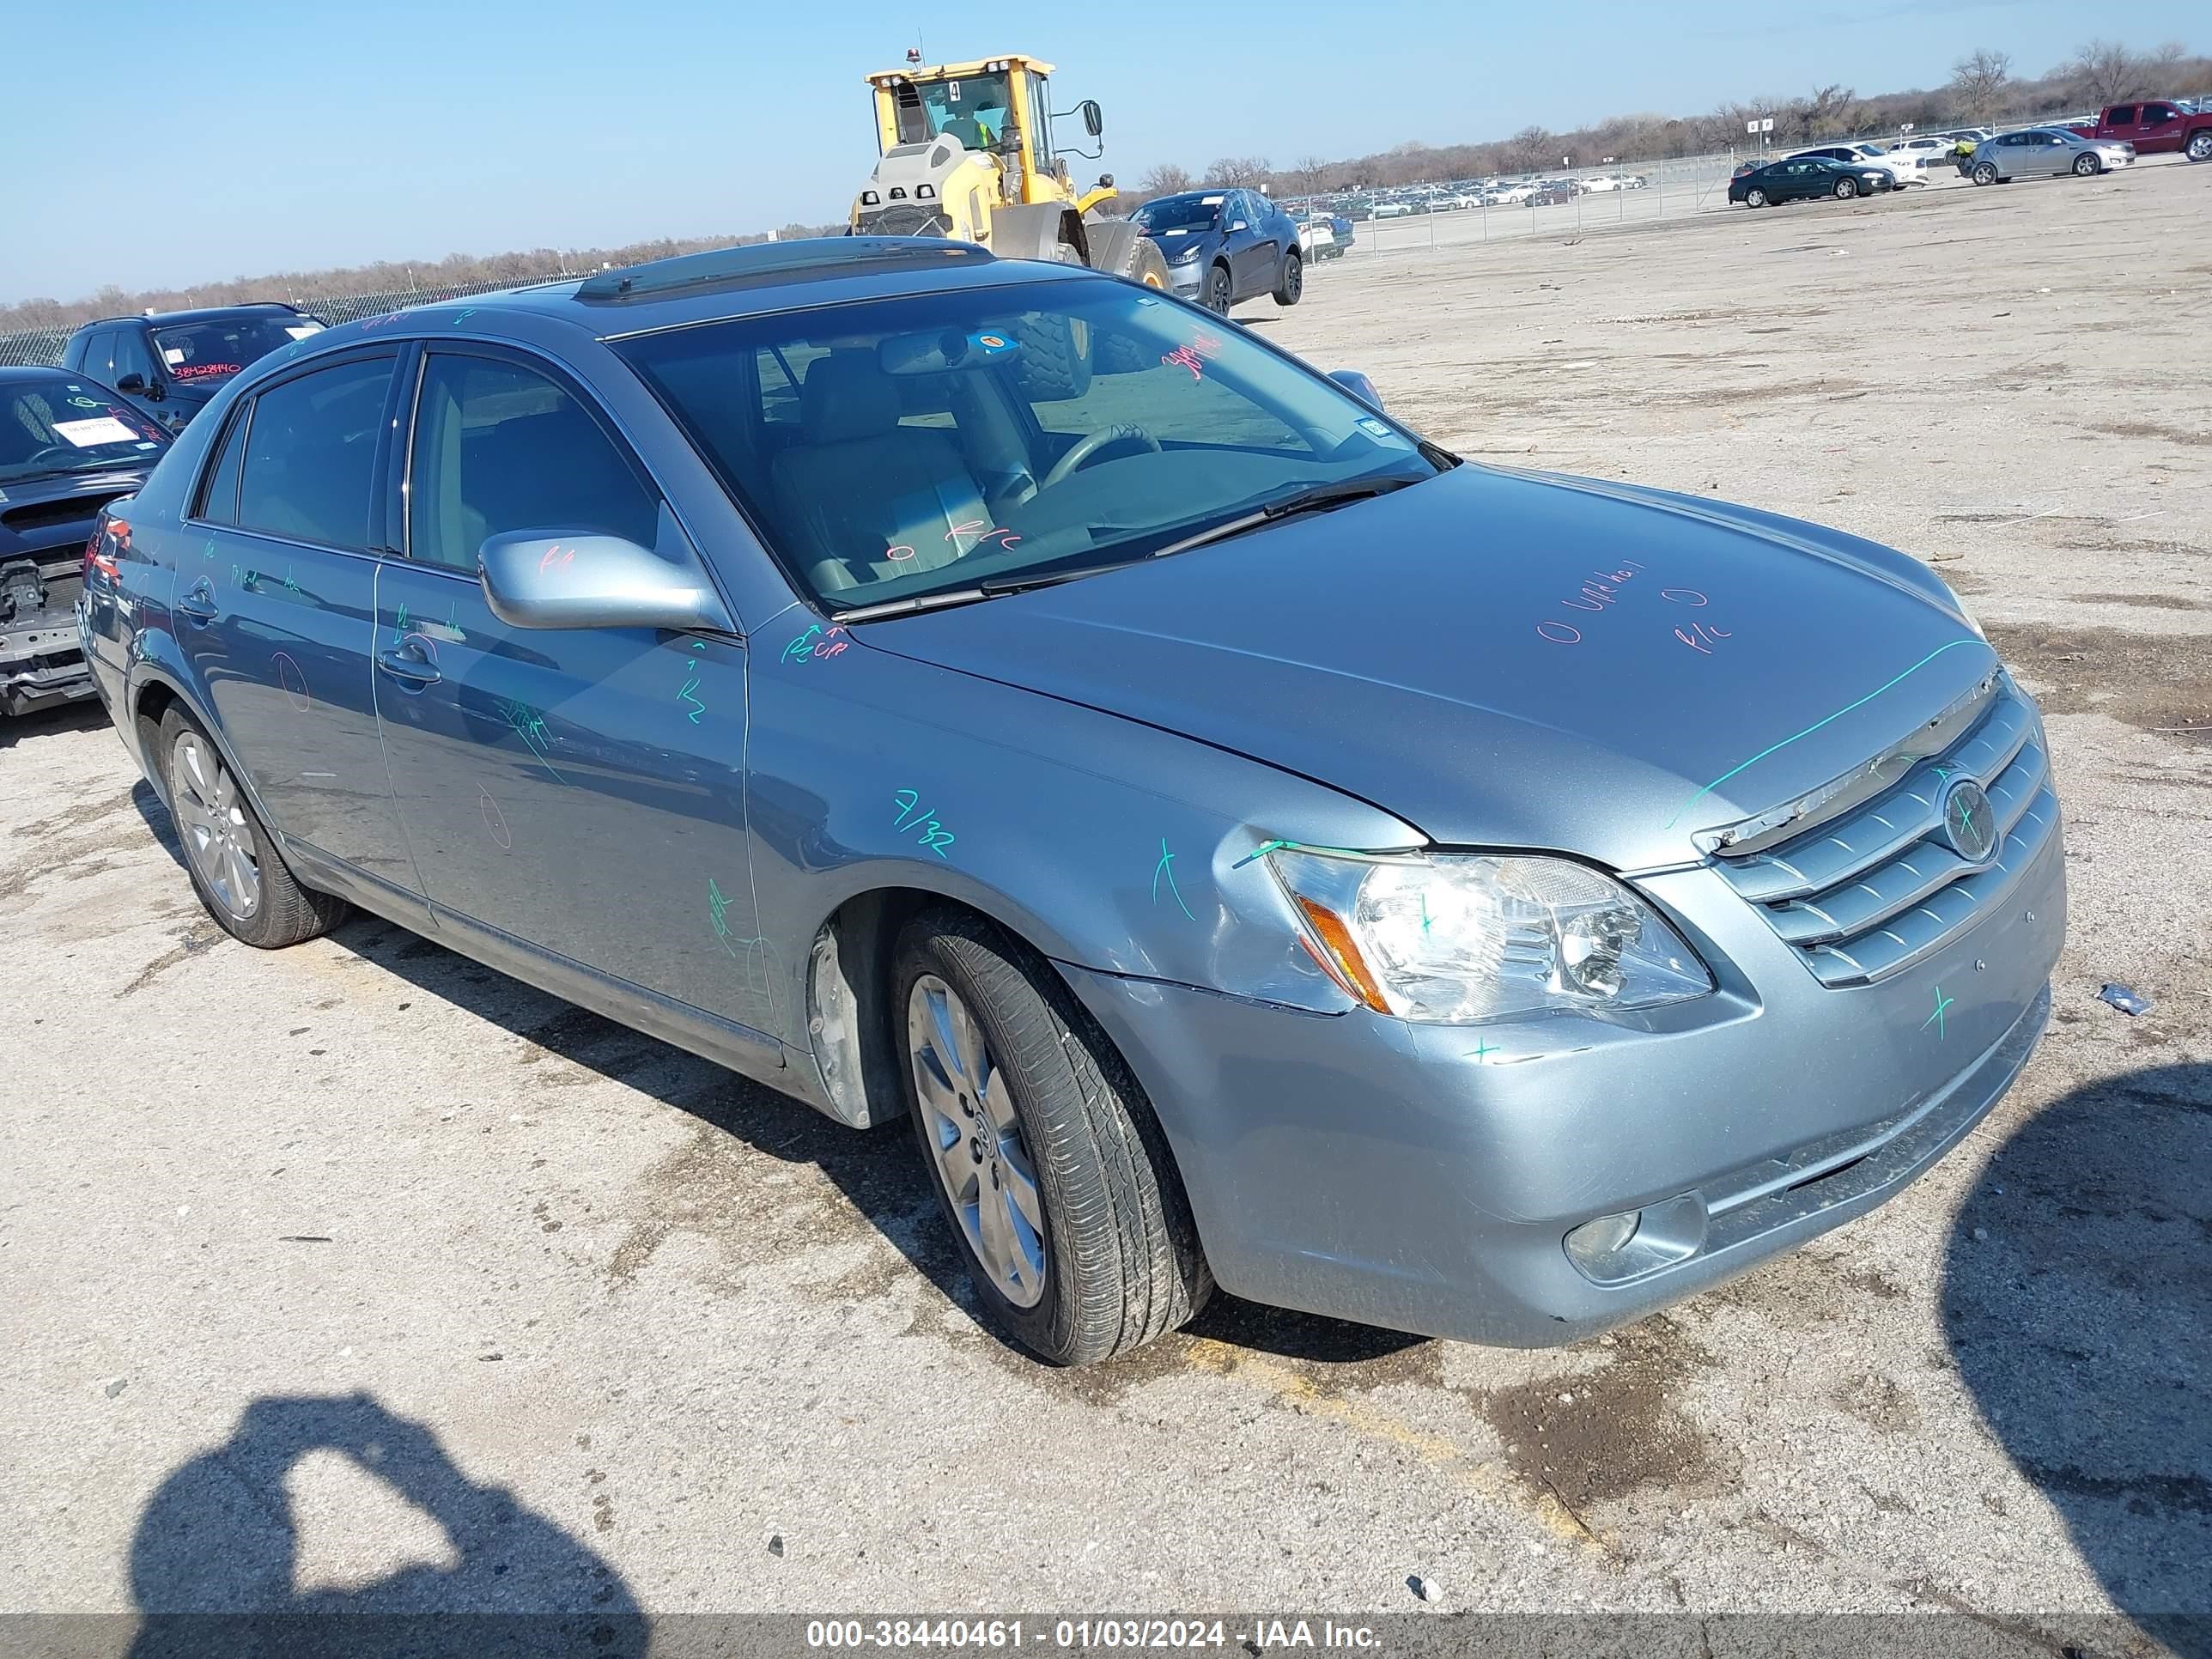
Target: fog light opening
{"points": [[1592, 1245]]}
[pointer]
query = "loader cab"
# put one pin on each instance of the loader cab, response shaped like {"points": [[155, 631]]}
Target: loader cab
{"points": [[1000, 106]]}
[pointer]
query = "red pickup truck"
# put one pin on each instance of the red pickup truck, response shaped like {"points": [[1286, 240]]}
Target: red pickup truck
{"points": [[2154, 124]]}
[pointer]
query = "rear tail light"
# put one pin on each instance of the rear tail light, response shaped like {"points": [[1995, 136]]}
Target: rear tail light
{"points": [[96, 556]]}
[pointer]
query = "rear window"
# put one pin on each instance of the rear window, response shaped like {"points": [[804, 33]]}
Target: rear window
{"points": [[217, 349]]}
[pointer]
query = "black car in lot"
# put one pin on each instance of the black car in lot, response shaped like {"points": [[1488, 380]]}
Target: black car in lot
{"points": [[168, 364], [1800, 178], [67, 447]]}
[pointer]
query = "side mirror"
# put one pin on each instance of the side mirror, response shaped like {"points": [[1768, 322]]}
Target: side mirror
{"points": [[1094, 119], [131, 383], [536, 581], [1358, 385], [1236, 225]]}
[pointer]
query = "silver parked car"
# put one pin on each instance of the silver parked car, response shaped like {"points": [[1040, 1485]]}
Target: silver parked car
{"points": [[2038, 152], [1249, 844]]}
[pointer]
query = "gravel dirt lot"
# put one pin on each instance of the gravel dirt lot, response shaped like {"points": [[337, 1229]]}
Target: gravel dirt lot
{"points": [[604, 1320]]}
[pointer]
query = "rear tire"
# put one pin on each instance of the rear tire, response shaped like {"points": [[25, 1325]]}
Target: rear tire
{"points": [[1985, 173], [234, 864], [1755, 198], [1291, 283], [1020, 1098]]}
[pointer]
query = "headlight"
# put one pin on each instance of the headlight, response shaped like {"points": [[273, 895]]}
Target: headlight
{"points": [[1449, 940], [1180, 253]]}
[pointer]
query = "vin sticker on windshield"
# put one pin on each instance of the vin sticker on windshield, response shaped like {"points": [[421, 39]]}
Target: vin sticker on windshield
{"points": [[1375, 429], [93, 433]]}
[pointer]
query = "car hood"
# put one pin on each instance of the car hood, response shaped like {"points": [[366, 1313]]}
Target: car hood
{"points": [[1504, 659], [39, 514]]}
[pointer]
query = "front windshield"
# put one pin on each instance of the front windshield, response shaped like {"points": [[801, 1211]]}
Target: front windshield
{"points": [[57, 426], [1178, 213], [219, 347], [893, 448], [972, 108]]}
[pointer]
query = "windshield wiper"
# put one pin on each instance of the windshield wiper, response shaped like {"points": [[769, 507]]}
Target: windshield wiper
{"points": [[997, 587], [1318, 499]]}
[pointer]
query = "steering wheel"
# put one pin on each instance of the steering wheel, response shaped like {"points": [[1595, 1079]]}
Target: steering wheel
{"points": [[1091, 443], [53, 453]]}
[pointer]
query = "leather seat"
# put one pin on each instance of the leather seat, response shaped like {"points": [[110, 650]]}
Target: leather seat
{"points": [[861, 486]]}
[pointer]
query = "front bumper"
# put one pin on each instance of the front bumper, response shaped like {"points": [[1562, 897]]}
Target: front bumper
{"points": [[1424, 1177], [1188, 277]]}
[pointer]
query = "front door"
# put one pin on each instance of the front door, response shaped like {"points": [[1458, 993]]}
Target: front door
{"points": [[275, 598], [581, 790]]}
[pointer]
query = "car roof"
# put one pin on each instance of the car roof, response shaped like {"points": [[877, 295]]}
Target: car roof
{"points": [[36, 372], [194, 314], [756, 280]]}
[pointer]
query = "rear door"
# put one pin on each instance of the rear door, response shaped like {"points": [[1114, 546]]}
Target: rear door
{"points": [[275, 599], [580, 791], [1250, 260]]}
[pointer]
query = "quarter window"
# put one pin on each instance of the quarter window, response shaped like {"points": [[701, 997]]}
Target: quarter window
{"points": [[500, 448], [98, 356], [219, 502], [310, 454]]}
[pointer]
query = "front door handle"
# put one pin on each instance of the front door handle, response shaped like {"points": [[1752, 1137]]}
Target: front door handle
{"points": [[408, 664], [198, 603]]}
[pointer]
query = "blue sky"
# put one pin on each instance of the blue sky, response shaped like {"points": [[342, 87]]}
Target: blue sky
{"points": [[250, 137]]}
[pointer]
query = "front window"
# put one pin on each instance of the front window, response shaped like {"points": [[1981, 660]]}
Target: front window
{"points": [[49, 427], [214, 350], [892, 449], [1174, 214], [973, 108]]}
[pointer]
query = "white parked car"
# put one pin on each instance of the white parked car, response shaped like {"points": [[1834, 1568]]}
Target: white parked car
{"points": [[1904, 168], [1393, 209], [1317, 240], [1599, 181]]}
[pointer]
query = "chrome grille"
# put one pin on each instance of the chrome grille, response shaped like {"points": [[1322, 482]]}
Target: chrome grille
{"points": [[1867, 893]]}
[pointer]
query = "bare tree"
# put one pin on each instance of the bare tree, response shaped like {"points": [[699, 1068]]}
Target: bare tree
{"points": [[1238, 171], [1165, 179], [2106, 71], [1309, 173], [1978, 81]]}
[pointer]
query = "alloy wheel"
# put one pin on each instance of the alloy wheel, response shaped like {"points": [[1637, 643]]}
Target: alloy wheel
{"points": [[1755, 198], [212, 816], [975, 1142]]}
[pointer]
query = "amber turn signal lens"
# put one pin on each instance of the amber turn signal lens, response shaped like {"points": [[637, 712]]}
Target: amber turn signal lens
{"points": [[1339, 956]]}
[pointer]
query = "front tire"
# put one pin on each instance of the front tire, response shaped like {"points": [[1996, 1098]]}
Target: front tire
{"points": [[2199, 148], [1291, 283], [1846, 188], [234, 865], [1219, 294], [1047, 1162], [2086, 167]]}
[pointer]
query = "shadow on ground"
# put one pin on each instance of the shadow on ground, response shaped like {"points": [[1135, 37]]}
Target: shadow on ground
{"points": [[56, 721], [2077, 1297], [214, 1564]]}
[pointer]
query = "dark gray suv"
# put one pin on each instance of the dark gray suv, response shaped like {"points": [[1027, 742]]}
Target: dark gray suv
{"points": [[169, 364]]}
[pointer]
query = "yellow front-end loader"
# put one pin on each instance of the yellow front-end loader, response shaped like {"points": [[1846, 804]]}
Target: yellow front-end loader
{"points": [[967, 153]]}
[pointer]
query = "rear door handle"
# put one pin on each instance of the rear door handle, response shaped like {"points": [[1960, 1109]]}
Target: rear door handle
{"points": [[408, 664], [198, 603]]}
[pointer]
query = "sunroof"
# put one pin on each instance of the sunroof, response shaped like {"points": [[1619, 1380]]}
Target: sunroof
{"points": [[828, 254]]}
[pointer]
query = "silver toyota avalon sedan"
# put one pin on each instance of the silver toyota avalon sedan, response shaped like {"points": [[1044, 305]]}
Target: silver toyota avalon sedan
{"points": [[1249, 844]]}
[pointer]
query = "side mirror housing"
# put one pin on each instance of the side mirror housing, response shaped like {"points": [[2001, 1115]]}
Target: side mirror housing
{"points": [[131, 383], [1094, 119], [1358, 385], [533, 579], [1237, 225]]}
